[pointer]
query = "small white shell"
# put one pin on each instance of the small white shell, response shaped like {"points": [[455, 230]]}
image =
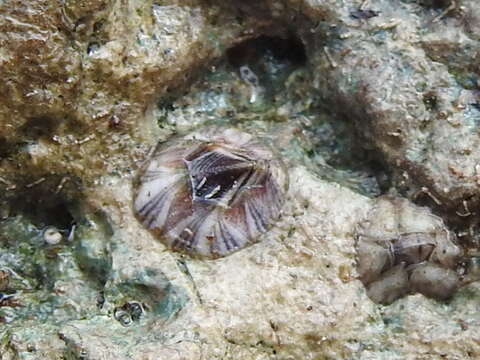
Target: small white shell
{"points": [[52, 236], [211, 193]]}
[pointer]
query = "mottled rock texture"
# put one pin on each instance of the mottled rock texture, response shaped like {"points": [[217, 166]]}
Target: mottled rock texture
{"points": [[361, 98], [407, 79], [83, 76]]}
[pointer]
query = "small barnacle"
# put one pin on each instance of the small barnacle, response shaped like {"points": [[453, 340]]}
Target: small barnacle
{"points": [[129, 312], [52, 236], [122, 316], [402, 248], [212, 193]]}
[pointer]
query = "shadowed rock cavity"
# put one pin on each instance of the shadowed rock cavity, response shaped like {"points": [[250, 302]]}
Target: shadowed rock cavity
{"points": [[45, 201], [285, 49]]}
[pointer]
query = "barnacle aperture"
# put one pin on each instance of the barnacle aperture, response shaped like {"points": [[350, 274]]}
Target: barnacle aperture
{"points": [[210, 193]]}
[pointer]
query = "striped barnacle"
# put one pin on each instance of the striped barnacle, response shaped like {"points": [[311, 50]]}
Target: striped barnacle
{"points": [[212, 193]]}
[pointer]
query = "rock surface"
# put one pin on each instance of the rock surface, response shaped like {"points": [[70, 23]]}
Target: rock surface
{"points": [[361, 98], [405, 78]]}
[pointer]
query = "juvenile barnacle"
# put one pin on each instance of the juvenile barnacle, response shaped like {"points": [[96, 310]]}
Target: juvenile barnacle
{"points": [[211, 192], [403, 248]]}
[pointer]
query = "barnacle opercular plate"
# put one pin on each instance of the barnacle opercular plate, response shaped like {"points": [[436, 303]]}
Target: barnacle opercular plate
{"points": [[210, 193]]}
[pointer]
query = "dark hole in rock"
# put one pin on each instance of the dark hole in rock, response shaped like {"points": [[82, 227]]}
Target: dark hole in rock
{"points": [[265, 64], [39, 126], [41, 221], [289, 49], [382, 174], [92, 47], [430, 100], [44, 208], [4, 148], [7, 148], [363, 14], [98, 26], [166, 102], [438, 4]]}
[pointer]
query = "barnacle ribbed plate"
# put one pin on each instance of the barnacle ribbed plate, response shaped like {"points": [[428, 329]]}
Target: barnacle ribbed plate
{"points": [[211, 192]]}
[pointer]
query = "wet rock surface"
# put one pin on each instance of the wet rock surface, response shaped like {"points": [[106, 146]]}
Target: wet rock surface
{"points": [[361, 98]]}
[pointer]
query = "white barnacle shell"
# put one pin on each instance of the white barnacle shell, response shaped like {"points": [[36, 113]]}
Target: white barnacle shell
{"points": [[52, 236], [210, 193]]}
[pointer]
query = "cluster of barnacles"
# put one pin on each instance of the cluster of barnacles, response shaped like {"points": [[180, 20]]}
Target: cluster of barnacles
{"points": [[402, 248]]}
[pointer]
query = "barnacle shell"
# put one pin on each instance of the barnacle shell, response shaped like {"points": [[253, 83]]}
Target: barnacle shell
{"points": [[403, 248], [210, 193]]}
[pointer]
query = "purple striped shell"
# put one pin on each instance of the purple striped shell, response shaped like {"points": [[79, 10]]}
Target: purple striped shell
{"points": [[210, 193]]}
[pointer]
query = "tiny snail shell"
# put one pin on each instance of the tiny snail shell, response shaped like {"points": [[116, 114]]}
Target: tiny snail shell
{"points": [[211, 192], [52, 236]]}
